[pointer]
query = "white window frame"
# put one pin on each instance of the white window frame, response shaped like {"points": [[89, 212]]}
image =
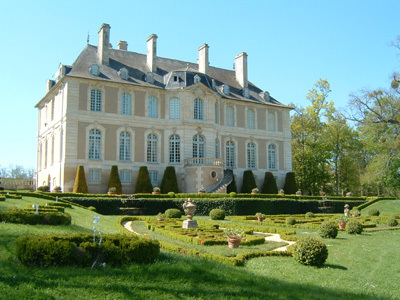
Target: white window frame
{"points": [[198, 110], [153, 176], [174, 145], [126, 106], [152, 148], [251, 119], [230, 154], [230, 116], [96, 98], [95, 144], [125, 176], [94, 175], [174, 108], [272, 118], [125, 146], [251, 156], [152, 107], [216, 107], [217, 148], [272, 157], [199, 146]]}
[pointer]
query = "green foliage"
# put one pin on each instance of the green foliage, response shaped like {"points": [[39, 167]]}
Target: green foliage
{"points": [[290, 221], [169, 182], [309, 215], [143, 184], [249, 181], [44, 188], [26, 216], [80, 185], [290, 186], [328, 230], [373, 212], [392, 221], [269, 185], [92, 208], [310, 251], [354, 227], [173, 213], [231, 188], [217, 214], [114, 181]]}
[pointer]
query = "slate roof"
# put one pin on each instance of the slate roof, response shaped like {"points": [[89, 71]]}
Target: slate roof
{"points": [[136, 65]]}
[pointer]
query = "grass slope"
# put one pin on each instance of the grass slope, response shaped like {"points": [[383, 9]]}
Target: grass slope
{"points": [[358, 267]]}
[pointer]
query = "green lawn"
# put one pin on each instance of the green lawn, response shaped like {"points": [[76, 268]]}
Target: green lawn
{"points": [[384, 206], [358, 267]]}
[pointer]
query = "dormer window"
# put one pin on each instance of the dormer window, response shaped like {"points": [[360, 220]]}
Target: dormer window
{"points": [[123, 73], [213, 84], [150, 77], [176, 78], [246, 93], [196, 79], [225, 89], [94, 70]]}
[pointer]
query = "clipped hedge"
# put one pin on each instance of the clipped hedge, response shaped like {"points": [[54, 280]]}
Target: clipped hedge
{"points": [[2, 198], [79, 250], [13, 196], [22, 216]]}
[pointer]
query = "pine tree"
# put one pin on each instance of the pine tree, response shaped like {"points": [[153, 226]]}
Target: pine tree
{"points": [[290, 186], [80, 185], [169, 182], [143, 184], [249, 182], [114, 180], [269, 186]]}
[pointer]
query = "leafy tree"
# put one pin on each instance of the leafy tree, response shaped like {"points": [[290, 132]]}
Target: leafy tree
{"points": [[169, 182], [80, 185], [143, 184], [290, 186], [269, 186], [17, 172], [249, 182], [232, 186], [114, 180]]}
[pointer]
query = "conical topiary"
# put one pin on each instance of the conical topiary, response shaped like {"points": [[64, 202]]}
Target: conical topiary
{"points": [[169, 182], [232, 186], [269, 186], [290, 186], [80, 185], [249, 182], [143, 184], [114, 180]]}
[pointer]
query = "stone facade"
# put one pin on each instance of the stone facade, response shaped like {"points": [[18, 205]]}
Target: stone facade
{"points": [[116, 107]]}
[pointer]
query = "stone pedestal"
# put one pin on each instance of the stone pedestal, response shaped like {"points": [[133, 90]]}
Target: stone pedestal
{"points": [[189, 224]]}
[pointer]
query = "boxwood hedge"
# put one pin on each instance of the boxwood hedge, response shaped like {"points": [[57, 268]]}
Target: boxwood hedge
{"points": [[26, 216]]}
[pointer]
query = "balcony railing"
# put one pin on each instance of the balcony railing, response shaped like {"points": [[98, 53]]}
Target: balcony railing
{"points": [[203, 161]]}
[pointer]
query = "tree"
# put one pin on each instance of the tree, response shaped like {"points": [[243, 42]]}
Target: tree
{"points": [[269, 186], [290, 186], [169, 182], [232, 188], [80, 185], [17, 172], [143, 184], [249, 182], [114, 180]]}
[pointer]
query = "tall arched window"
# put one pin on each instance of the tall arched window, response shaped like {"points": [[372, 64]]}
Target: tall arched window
{"points": [[230, 120], [217, 149], [174, 108], [95, 100], [230, 155], [216, 113], [125, 104], [251, 120], [272, 157], [174, 149], [125, 146], [95, 144], [271, 121], [198, 109], [251, 156], [152, 148], [198, 146], [152, 107]]}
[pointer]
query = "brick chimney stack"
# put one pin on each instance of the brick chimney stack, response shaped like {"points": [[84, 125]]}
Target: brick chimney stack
{"points": [[152, 52], [103, 48]]}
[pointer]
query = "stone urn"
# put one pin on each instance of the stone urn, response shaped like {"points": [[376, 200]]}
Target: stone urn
{"points": [[234, 243], [189, 207]]}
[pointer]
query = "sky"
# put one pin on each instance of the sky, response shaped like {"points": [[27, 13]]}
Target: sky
{"points": [[290, 46]]}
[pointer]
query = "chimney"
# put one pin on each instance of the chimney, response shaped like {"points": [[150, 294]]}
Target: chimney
{"points": [[122, 45], [49, 85], [241, 69], [103, 48], [152, 52], [203, 59]]}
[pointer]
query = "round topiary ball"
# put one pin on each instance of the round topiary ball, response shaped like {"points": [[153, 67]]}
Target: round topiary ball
{"points": [[373, 212], [392, 221], [354, 227], [328, 230], [217, 214], [310, 215], [290, 221], [173, 213], [310, 251]]}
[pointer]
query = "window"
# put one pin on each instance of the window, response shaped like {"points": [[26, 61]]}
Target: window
{"points": [[271, 157], [94, 144], [225, 89], [198, 109], [271, 121], [94, 70], [53, 103], [150, 78], [216, 113], [198, 146], [251, 124], [174, 149], [251, 156], [153, 176], [230, 155], [174, 108], [217, 151], [230, 121], [125, 104], [52, 151], [152, 107], [152, 150], [125, 146], [196, 78], [123, 73], [94, 175], [95, 100], [125, 176]]}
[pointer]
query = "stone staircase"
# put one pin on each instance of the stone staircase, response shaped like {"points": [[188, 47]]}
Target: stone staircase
{"points": [[220, 187]]}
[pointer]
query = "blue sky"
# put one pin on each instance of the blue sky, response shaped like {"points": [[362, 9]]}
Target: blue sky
{"points": [[290, 45]]}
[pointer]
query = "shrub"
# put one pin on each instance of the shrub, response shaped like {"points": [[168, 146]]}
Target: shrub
{"points": [[143, 184], [44, 188], [171, 194], [80, 185], [354, 227], [269, 186], [114, 181], [92, 208], [290, 221], [328, 230], [249, 182], [310, 215], [173, 213], [45, 217], [169, 182], [310, 251], [290, 186], [373, 212], [217, 214], [232, 188], [392, 221]]}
